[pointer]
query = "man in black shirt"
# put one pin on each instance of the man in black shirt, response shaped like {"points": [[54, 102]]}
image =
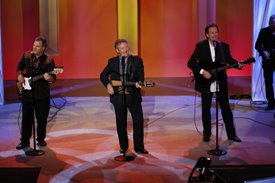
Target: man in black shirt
{"points": [[36, 96]]}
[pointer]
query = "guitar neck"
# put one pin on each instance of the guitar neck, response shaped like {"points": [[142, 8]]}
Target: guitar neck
{"points": [[248, 61], [35, 78], [213, 71], [133, 84]]}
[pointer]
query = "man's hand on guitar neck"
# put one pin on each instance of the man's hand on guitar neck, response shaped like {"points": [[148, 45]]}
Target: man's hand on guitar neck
{"points": [[138, 85], [240, 65], [46, 76]]}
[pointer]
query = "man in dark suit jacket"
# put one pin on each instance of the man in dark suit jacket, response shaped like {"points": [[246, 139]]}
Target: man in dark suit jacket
{"points": [[265, 45], [121, 69], [211, 54]]}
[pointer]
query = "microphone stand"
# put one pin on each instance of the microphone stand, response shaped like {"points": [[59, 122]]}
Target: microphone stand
{"points": [[123, 81], [34, 151], [217, 151]]}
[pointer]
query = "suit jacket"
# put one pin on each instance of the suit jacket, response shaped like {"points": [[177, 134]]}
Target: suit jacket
{"points": [[201, 59], [265, 42], [134, 73]]}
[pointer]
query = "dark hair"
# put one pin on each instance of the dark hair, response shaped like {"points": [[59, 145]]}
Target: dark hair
{"points": [[43, 40], [119, 41], [209, 26]]}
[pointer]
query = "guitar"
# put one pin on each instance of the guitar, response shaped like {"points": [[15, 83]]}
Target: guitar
{"points": [[128, 83], [205, 82], [21, 87]]}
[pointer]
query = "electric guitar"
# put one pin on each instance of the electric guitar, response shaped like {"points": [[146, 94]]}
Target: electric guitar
{"points": [[128, 83], [21, 87], [203, 81]]}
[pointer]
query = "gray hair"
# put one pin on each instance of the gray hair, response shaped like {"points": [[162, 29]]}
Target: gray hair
{"points": [[119, 41]]}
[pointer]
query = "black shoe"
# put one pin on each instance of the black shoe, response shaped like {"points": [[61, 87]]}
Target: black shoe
{"points": [[236, 139], [41, 143], [269, 107], [22, 145], [142, 151], [206, 138]]}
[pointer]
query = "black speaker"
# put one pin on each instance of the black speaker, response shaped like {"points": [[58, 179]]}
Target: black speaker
{"points": [[22, 175], [244, 173]]}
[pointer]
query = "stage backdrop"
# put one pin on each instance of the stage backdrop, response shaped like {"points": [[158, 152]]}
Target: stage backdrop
{"points": [[167, 33]]}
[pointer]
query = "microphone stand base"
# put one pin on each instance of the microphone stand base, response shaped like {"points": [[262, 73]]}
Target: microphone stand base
{"points": [[217, 152]]}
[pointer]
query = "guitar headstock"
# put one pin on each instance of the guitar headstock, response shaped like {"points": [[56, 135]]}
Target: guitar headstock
{"points": [[148, 84], [57, 70]]}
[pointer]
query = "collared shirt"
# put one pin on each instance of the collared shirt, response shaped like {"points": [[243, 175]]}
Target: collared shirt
{"points": [[212, 50]]}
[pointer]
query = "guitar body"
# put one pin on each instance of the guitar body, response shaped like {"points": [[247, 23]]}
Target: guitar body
{"points": [[202, 81], [21, 87]]}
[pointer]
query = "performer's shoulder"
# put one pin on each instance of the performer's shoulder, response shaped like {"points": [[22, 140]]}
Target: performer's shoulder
{"points": [[27, 54], [49, 59], [136, 57], [202, 42]]}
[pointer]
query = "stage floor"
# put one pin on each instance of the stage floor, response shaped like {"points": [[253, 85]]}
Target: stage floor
{"points": [[82, 139]]}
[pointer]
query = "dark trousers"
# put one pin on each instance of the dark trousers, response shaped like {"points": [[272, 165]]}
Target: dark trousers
{"points": [[223, 102], [121, 124], [268, 68], [39, 109]]}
